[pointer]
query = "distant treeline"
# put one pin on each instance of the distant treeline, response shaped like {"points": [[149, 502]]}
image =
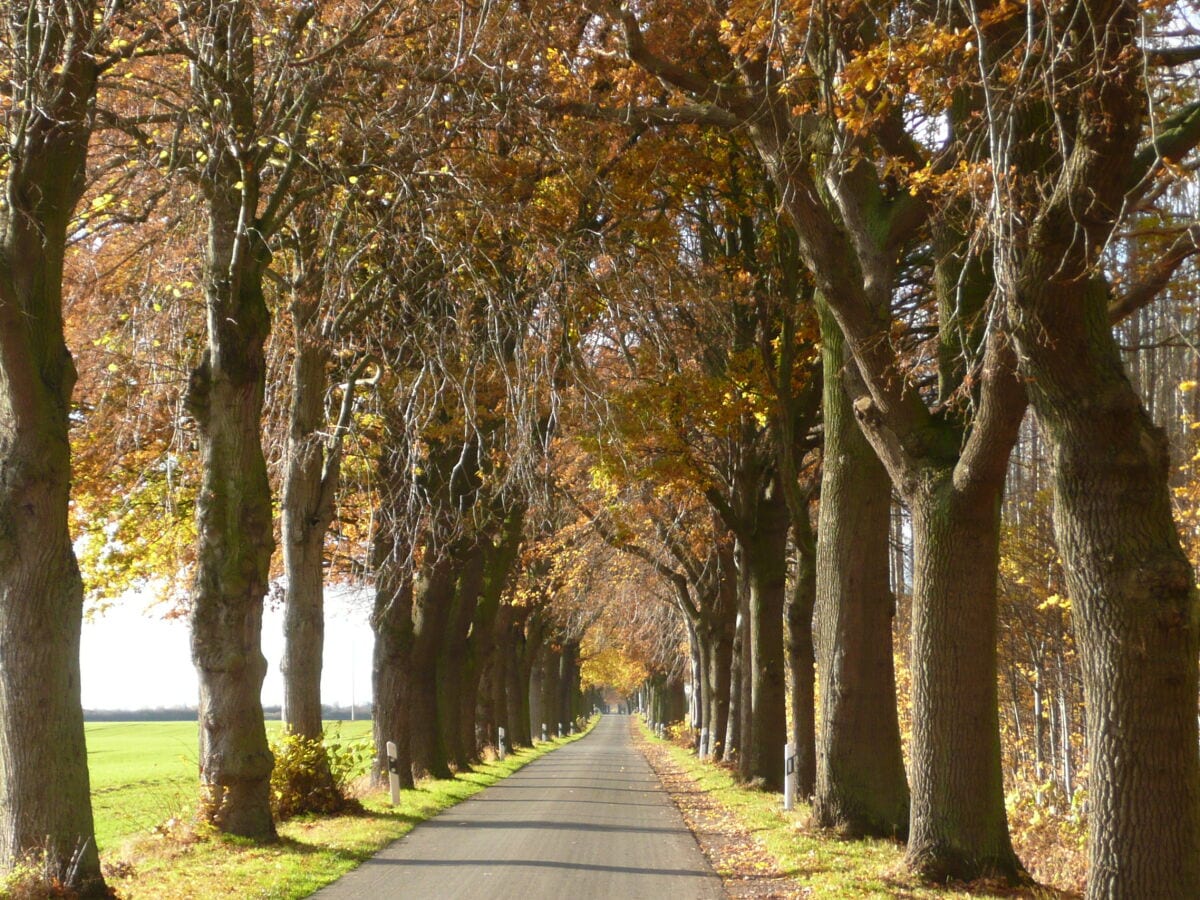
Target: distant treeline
{"points": [[188, 714]]}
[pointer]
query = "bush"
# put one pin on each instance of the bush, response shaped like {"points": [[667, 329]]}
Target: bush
{"points": [[37, 878], [312, 777]]}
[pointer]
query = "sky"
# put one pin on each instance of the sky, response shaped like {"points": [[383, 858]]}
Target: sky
{"points": [[133, 659]]}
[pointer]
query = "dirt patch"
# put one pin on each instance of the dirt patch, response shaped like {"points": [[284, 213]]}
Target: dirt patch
{"points": [[746, 869]]}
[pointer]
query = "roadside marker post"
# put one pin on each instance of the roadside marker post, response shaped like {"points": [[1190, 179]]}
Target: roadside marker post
{"points": [[393, 772], [560, 729], [544, 738], [789, 776], [501, 742]]}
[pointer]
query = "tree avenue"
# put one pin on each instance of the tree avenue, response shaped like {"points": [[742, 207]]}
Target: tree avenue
{"points": [[816, 373]]}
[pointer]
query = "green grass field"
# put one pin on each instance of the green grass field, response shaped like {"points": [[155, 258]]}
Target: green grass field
{"points": [[145, 773]]}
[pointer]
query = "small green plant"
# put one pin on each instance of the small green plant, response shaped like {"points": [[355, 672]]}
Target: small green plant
{"points": [[310, 777], [349, 759]]}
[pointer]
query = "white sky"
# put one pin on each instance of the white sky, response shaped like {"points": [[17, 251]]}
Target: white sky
{"points": [[132, 659]]}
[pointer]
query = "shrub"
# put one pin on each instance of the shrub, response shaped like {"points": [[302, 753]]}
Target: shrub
{"points": [[311, 777], [38, 878]]}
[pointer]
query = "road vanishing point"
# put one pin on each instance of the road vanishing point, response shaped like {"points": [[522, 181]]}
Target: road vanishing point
{"points": [[590, 820]]}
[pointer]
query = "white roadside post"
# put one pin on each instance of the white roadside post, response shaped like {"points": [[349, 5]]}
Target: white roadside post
{"points": [[704, 743], [501, 742], [560, 729], [393, 773], [544, 737], [789, 776]]}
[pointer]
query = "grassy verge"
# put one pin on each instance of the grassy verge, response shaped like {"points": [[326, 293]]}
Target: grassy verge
{"points": [[144, 774], [813, 862], [311, 852]]}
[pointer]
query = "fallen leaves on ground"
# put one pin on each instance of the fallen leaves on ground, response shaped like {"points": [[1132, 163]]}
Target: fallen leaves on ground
{"points": [[745, 867]]}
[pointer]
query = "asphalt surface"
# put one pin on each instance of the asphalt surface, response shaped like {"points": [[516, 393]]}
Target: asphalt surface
{"points": [[589, 820]]}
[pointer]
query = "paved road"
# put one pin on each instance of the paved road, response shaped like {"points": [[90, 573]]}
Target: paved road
{"points": [[589, 820]]}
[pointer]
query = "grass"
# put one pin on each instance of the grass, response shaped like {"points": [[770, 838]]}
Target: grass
{"points": [[181, 862], [826, 865], [144, 773]]}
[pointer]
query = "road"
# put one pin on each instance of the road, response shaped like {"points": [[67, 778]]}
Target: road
{"points": [[589, 820]]}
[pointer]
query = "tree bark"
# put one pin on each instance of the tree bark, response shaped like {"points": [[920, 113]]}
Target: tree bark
{"points": [[41, 593], [567, 683], [733, 733], [312, 475], [453, 660], [500, 559], [234, 532], [433, 594], [305, 516], [517, 685], [766, 560], [391, 622], [798, 645], [958, 827], [1133, 595], [45, 801], [861, 787]]}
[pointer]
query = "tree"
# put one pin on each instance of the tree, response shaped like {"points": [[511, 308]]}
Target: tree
{"points": [[245, 137], [860, 788], [53, 57], [312, 467], [1132, 589]]}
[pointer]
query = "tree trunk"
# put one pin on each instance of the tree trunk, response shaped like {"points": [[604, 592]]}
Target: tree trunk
{"points": [[433, 595], [307, 510], [552, 664], [312, 475], [718, 622], [498, 670], [798, 645], [701, 699], [767, 562], [391, 622], [861, 788], [696, 668], [1134, 600], [720, 664], [537, 713], [234, 531], [567, 681], [453, 659], [517, 687], [500, 559], [733, 733], [957, 826], [45, 800]]}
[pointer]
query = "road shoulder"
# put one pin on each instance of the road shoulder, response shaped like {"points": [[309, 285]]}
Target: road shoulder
{"points": [[747, 870]]}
